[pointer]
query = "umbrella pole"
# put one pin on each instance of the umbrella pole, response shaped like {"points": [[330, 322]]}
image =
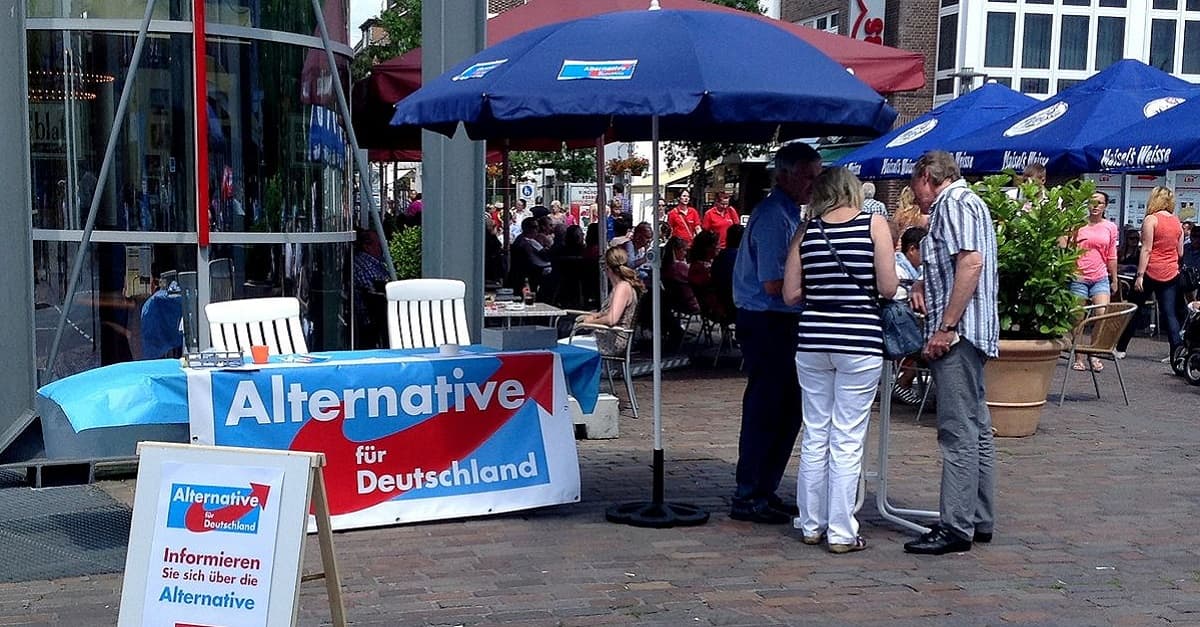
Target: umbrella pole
{"points": [[657, 513]]}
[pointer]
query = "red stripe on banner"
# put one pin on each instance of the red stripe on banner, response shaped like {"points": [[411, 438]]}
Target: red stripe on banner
{"points": [[430, 445], [200, 63]]}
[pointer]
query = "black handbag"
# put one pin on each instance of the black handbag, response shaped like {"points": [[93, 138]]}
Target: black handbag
{"points": [[902, 333]]}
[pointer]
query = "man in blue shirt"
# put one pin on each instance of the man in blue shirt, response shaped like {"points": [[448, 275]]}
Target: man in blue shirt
{"points": [[766, 330]]}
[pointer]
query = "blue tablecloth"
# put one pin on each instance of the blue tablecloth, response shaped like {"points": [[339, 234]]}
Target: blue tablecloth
{"points": [[155, 391]]}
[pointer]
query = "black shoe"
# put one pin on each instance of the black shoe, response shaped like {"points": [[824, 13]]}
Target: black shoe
{"points": [[779, 505], [938, 542], [765, 515], [983, 537]]}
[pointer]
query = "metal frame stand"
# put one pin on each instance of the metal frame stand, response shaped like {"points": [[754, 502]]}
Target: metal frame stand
{"points": [[888, 511]]}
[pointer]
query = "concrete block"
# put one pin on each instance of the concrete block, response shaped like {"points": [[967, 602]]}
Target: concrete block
{"points": [[601, 424]]}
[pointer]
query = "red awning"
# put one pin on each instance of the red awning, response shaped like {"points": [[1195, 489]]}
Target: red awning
{"points": [[885, 69]]}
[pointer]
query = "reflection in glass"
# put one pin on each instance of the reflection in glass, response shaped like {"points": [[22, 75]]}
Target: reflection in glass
{"points": [[110, 9], [278, 156], [292, 16], [129, 303], [316, 274], [75, 82]]}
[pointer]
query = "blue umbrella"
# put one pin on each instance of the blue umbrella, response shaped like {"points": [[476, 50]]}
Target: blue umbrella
{"points": [[706, 75], [893, 155], [1054, 132], [654, 74], [1167, 141]]}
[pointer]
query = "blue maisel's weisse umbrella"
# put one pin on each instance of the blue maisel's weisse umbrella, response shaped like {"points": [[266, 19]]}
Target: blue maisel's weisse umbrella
{"points": [[646, 75], [893, 155], [1055, 131], [706, 75], [1167, 141]]}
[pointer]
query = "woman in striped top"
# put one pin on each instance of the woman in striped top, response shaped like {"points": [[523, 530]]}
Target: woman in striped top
{"points": [[839, 349]]}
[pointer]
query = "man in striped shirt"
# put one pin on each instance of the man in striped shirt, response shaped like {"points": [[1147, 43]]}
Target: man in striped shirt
{"points": [[962, 327]]}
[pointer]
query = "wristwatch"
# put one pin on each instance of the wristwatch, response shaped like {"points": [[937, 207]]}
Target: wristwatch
{"points": [[948, 328]]}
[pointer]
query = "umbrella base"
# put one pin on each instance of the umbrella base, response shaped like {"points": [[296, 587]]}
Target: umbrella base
{"points": [[656, 515]]}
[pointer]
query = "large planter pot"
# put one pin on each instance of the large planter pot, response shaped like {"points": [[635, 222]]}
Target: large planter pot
{"points": [[1018, 382]]}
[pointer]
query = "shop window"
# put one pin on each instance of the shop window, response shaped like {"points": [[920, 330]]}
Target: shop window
{"points": [[998, 46], [291, 17], [1035, 44], [1073, 43], [109, 9]]}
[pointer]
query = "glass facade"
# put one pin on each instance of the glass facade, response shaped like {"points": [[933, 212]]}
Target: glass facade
{"points": [[276, 168]]}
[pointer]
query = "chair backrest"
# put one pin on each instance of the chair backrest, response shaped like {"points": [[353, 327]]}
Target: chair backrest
{"points": [[236, 325], [1105, 324], [426, 313], [220, 280]]}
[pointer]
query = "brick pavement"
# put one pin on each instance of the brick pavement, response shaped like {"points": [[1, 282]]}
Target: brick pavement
{"points": [[1095, 527]]}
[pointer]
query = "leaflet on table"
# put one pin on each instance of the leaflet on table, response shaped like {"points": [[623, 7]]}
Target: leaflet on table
{"points": [[411, 439]]}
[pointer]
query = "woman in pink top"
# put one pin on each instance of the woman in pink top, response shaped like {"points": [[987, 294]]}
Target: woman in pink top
{"points": [[1096, 279], [1158, 265]]}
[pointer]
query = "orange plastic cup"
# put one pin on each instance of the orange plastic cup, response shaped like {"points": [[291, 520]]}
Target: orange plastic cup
{"points": [[259, 353]]}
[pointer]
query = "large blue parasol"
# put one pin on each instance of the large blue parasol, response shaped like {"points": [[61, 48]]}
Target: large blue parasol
{"points": [[1055, 131], [1167, 141], [639, 75], [894, 155]]}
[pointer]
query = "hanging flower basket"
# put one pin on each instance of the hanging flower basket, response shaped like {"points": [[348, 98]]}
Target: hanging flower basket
{"points": [[633, 165]]}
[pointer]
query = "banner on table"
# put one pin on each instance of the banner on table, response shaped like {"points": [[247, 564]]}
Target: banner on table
{"points": [[410, 439]]}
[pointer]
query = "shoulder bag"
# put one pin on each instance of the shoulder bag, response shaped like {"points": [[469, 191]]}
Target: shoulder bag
{"points": [[902, 334]]}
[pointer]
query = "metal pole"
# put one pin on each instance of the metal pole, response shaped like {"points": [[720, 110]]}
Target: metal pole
{"points": [[886, 510], [601, 216], [656, 303], [364, 171], [109, 151]]}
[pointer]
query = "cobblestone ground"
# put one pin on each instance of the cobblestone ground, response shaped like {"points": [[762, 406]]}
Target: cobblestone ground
{"points": [[1095, 527]]}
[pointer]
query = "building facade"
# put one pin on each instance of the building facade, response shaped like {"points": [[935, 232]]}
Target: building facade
{"points": [[231, 176]]}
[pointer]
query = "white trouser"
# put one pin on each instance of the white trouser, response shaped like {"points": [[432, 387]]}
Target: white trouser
{"points": [[838, 392]]}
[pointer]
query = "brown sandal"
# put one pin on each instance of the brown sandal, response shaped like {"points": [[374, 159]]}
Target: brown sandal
{"points": [[859, 544]]}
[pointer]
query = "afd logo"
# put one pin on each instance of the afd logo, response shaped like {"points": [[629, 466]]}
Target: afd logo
{"points": [[204, 508]]}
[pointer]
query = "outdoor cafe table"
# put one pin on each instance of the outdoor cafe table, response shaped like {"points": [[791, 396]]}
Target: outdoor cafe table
{"points": [[520, 311], [408, 435]]}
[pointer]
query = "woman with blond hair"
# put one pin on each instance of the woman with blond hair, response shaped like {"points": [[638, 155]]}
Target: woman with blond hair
{"points": [[838, 263], [907, 215], [620, 308], [1158, 266]]}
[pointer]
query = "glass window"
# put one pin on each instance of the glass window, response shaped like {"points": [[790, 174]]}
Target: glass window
{"points": [[1066, 83], [1191, 47], [998, 47], [1035, 85], [110, 9], [833, 21], [1110, 41], [1119, 4], [1162, 44], [1039, 1], [1170, 5], [1193, 5], [1002, 80], [278, 155], [75, 82], [944, 86], [1077, 3], [1073, 43], [292, 17], [947, 42], [949, 3], [1035, 46]]}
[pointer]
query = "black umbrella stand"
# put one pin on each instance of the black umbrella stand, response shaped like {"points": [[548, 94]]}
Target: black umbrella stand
{"points": [[656, 513]]}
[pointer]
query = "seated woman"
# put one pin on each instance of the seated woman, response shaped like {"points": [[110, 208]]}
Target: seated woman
{"points": [[700, 275], [619, 309], [908, 270], [679, 294]]}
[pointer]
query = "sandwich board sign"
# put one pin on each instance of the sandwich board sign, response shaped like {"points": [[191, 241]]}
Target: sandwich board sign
{"points": [[218, 536]]}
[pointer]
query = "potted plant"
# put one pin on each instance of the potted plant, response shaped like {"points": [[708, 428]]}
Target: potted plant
{"points": [[632, 164], [1036, 307]]}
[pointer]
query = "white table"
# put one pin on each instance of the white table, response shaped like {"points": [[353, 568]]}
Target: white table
{"points": [[507, 312]]}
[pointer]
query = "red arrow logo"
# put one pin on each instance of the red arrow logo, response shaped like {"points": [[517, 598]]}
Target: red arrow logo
{"points": [[430, 445], [196, 515]]}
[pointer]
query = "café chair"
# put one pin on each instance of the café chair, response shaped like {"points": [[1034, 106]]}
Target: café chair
{"points": [[426, 313], [1096, 335], [582, 334], [236, 325]]}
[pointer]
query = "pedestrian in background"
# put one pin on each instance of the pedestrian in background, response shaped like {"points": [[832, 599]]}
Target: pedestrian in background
{"points": [[1158, 266], [839, 263], [719, 218], [766, 330], [869, 204]]}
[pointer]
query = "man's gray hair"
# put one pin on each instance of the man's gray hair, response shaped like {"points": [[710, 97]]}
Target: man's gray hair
{"points": [[868, 190], [939, 165]]}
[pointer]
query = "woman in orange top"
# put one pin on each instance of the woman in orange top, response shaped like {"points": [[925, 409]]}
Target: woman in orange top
{"points": [[1158, 266], [719, 218]]}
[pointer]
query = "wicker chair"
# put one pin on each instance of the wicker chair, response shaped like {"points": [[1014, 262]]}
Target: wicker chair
{"points": [[1096, 335]]}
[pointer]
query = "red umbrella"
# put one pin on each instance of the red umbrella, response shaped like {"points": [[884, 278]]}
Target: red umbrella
{"points": [[885, 69]]}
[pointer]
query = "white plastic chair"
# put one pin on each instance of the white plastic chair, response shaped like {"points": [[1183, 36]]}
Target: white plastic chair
{"points": [[236, 325], [426, 313]]}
